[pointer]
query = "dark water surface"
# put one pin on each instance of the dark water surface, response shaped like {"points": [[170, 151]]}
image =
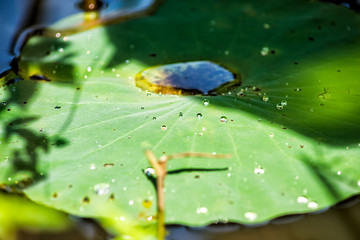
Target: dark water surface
{"points": [[339, 222]]}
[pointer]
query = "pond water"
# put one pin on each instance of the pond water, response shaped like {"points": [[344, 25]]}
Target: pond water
{"points": [[339, 222]]}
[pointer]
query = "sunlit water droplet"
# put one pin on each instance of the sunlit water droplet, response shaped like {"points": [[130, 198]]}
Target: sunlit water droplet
{"points": [[147, 203], [149, 172], [206, 102], [102, 188], [251, 216], [358, 183], [201, 210], [259, 170], [313, 205], [188, 78], [283, 103], [199, 115], [131, 202], [92, 166], [267, 26], [264, 51], [89, 69], [163, 127], [279, 106], [302, 199], [271, 135], [338, 173], [265, 98], [223, 119]]}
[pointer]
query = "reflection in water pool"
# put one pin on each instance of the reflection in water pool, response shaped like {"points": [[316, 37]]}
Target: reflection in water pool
{"points": [[188, 78]]}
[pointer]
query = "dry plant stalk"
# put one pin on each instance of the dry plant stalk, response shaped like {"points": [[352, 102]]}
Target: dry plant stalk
{"points": [[159, 166]]}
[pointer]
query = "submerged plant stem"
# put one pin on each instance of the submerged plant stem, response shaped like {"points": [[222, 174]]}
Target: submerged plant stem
{"points": [[160, 169]]}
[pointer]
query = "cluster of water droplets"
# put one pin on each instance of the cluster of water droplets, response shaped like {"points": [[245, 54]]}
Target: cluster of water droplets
{"points": [[259, 170], [102, 189], [305, 200], [281, 105]]}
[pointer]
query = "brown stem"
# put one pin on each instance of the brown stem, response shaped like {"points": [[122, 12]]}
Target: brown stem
{"points": [[160, 169], [161, 207]]}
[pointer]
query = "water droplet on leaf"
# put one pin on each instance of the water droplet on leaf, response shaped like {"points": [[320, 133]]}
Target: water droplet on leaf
{"points": [[206, 102], [267, 26], [147, 203], [259, 170], [265, 98], [102, 189], [302, 199], [163, 127], [199, 115], [251, 216], [313, 205], [149, 172], [279, 106], [264, 51], [201, 210], [223, 119]]}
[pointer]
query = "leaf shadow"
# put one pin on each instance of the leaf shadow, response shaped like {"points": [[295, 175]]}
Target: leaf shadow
{"points": [[152, 178], [150, 41], [24, 143]]}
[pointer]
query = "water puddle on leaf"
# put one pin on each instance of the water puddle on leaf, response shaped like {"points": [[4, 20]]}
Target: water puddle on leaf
{"points": [[188, 78]]}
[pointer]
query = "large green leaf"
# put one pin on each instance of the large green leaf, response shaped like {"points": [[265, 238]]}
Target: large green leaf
{"points": [[91, 124]]}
